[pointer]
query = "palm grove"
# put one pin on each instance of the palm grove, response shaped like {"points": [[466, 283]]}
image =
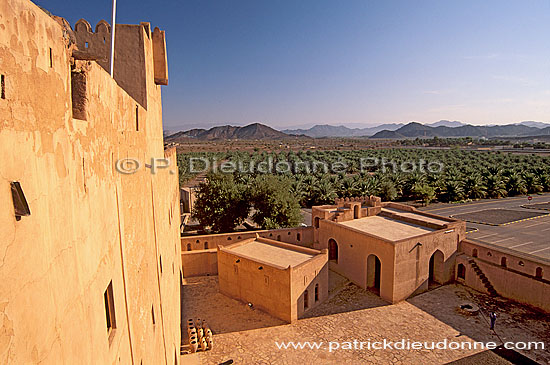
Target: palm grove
{"points": [[272, 196]]}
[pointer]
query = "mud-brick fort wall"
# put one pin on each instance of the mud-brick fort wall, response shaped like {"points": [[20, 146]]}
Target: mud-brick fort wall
{"points": [[92, 232]]}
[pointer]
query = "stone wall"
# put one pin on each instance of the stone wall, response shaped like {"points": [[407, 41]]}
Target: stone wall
{"points": [[521, 277], [90, 227]]}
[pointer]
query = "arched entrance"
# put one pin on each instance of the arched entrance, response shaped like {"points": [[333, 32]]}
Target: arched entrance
{"points": [[461, 271], [333, 250], [356, 211], [436, 268], [374, 272]]}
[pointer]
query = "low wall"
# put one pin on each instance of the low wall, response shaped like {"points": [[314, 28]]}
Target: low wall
{"points": [[518, 280], [300, 236], [199, 263]]}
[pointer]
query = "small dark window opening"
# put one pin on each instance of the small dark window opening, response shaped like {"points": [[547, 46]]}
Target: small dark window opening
{"points": [[108, 297], [538, 273], [86, 45], [316, 292], [2, 86], [278, 237], [206, 245], [474, 252], [160, 261], [79, 95], [298, 237], [503, 262], [20, 206], [306, 300], [153, 314], [137, 118], [51, 59], [188, 247], [229, 238]]}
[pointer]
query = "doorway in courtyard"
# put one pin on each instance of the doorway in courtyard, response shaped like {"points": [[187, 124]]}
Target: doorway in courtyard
{"points": [[333, 250], [374, 271], [435, 276]]}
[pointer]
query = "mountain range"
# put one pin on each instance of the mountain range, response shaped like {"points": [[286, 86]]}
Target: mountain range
{"points": [[414, 129], [443, 128], [251, 131]]}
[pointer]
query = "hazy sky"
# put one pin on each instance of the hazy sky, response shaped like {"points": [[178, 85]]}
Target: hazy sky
{"points": [[299, 62]]}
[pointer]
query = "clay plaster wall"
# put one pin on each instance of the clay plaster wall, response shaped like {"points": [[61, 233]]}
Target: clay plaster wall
{"points": [[89, 224], [287, 235], [517, 281], [305, 277], [269, 289], [354, 247]]}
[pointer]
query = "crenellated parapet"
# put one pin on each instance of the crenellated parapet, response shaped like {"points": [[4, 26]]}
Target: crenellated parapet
{"points": [[93, 45], [366, 201]]}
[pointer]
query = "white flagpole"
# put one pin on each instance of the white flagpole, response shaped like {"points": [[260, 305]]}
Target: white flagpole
{"points": [[113, 26]]}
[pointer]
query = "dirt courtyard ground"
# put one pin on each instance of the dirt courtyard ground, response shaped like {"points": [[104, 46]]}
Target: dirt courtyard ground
{"points": [[249, 336]]}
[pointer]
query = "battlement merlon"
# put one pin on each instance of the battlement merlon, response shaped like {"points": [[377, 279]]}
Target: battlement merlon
{"points": [[96, 46]]}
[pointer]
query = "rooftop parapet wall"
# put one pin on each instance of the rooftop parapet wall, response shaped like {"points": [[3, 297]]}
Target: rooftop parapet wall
{"points": [[131, 58]]}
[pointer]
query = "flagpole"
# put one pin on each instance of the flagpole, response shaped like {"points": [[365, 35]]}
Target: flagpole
{"points": [[113, 22]]}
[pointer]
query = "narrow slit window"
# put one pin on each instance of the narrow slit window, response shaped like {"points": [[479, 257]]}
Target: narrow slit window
{"points": [[153, 314], [108, 297], [137, 118], [51, 58], [316, 292], [160, 261], [2, 86]]}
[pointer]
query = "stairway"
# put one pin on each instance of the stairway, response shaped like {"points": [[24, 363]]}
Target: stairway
{"points": [[483, 278]]}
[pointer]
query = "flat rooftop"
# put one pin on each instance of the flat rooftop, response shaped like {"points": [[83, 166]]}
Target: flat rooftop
{"points": [[388, 228], [271, 254], [417, 216]]}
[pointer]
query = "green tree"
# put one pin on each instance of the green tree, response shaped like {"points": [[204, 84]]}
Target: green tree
{"points": [[221, 203], [425, 192], [275, 206]]}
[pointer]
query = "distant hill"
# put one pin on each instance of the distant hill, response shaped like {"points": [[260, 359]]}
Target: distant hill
{"points": [[251, 131], [414, 130], [325, 130], [531, 123], [445, 123]]}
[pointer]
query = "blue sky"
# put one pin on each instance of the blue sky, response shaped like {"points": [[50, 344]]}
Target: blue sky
{"points": [[303, 62]]}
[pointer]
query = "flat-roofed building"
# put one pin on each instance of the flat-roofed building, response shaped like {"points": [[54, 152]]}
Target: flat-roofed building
{"points": [[391, 248], [282, 279]]}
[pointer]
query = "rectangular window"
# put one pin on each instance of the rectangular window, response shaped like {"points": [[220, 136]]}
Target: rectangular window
{"points": [[137, 118], [51, 59], [108, 297], [2, 86]]}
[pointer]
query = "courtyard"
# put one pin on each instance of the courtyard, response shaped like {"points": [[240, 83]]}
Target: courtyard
{"points": [[249, 336]]}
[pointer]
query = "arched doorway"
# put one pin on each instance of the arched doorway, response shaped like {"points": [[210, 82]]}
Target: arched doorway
{"points": [[461, 271], [333, 250], [356, 211], [374, 272], [436, 268]]}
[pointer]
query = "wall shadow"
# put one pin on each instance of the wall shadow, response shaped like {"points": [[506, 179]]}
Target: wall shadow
{"points": [[200, 298], [345, 296]]}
